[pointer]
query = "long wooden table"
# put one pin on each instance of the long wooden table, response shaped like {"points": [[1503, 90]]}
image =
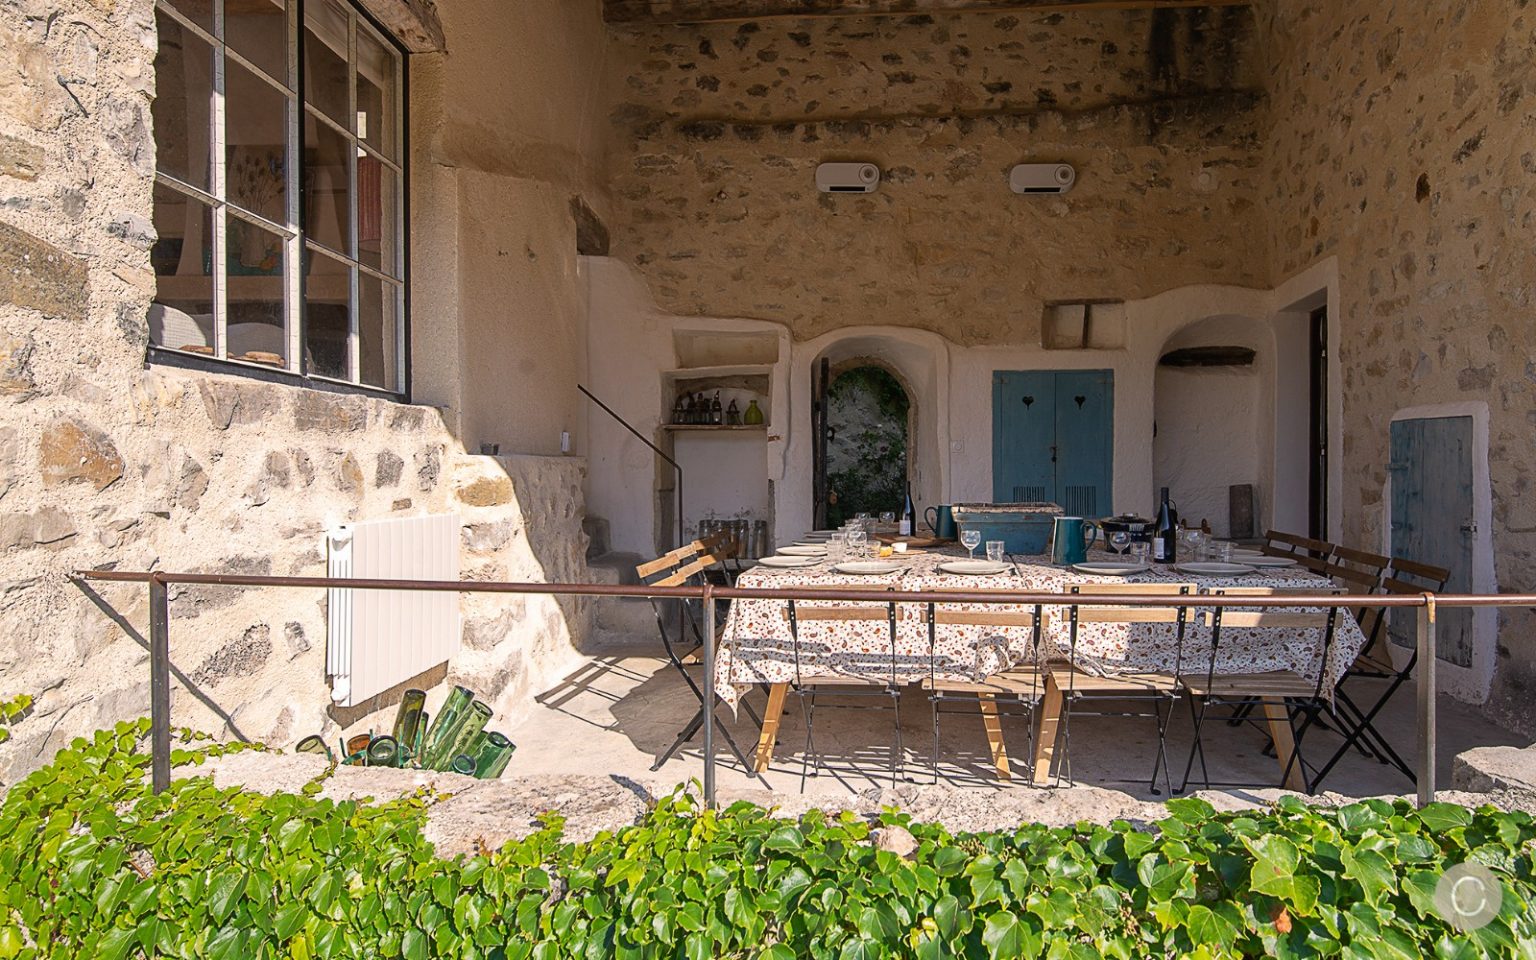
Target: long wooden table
{"points": [[756, 646]]}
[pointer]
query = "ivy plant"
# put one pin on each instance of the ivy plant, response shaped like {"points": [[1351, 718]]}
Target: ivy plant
{"points": [[92, 864]]}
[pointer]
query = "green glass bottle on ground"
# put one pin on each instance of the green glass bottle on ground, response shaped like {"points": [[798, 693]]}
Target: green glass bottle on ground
{"points": [[409, 716], [495, 752], [463, 764], [474, 721], [445, 729]]}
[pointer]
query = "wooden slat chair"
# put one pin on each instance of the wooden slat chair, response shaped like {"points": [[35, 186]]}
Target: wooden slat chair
{"points": [[676, 568], [1405, 577], [808, 687], [1021, 686], [1158, 690], [1278, 691], [1305, 551]]}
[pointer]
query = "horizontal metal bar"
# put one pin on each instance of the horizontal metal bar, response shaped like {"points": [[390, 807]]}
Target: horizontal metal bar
{"points": [[1020, 597]]}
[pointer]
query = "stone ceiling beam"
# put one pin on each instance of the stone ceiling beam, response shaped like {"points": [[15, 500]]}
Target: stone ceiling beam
{"points": [[725, 11], [413, 22]]}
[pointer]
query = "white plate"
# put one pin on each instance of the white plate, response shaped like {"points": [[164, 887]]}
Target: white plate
{"points": [[1246, 554], [1112, 569], [867, 568], [1214, 569], [819, 534], [1263, 561], [974, 568], [807, 550], [779, 561]]}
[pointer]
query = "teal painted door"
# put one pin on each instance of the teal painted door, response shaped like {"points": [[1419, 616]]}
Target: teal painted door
{"points": [[1432, 519], [1053, 438]]}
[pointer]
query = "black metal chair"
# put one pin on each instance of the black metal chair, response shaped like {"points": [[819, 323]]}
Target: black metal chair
{"points": [[1019, 687], [687, 564], [1157, 690], [879, 684], [1375, 662], [1284, 693]]}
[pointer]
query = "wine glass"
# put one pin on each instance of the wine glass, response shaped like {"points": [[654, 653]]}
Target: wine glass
{"points": [[971, 539], [1120, 540], [857, 538]]}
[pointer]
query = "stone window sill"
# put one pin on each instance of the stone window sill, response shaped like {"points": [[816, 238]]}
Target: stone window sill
{"points": [[176, 359]]}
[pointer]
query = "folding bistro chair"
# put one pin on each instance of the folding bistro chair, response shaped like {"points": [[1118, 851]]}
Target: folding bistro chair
{"points": [[1157, 690], [679, 567], [1305, 551], [1020, 686], [1282, 692], [1375, 663], [882, 686]]}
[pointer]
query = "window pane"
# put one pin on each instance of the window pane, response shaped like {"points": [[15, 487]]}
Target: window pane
{"points": [[254, 267], [377, 332], [327, 185], [258, 30], [327, 313], [184, 89], [199, 12], [325, 59], [377, 216], [256, 120], [378, 66], [181, 317]]}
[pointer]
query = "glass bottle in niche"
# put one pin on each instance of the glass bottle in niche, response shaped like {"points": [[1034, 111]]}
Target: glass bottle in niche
{"points": [[754, 415], [733, 414], [716, 411], [701, 404], [680, 410]]}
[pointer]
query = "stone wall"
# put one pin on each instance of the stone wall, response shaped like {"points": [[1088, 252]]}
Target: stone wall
{"points": [[718, 130], [1400, 141], [107, 463]]}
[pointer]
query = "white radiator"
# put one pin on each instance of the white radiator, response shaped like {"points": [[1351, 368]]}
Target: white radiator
{"points": [[378, 638]]}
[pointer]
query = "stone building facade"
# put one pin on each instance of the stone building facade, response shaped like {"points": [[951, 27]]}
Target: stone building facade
{"points": [[1222, 152]]}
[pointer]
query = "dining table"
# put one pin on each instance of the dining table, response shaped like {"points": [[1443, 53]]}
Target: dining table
{"points": [[757, 647]]}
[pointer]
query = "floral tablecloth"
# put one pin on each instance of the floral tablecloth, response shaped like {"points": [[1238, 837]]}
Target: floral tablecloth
{"points": [[756, 645]]}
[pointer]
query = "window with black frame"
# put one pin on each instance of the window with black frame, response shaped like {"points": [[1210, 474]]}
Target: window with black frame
{"points": [[280, 210]]}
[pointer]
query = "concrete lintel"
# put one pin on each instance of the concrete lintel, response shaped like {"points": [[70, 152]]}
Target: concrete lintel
{"points": [[413, 22], [718, 11]]}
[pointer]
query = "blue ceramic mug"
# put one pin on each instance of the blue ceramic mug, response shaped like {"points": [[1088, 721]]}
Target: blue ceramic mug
{"points": [[941, 520], [1070, 539]]}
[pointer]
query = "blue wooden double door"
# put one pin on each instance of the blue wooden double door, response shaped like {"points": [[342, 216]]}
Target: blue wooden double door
{"points": [[1053, 438]]}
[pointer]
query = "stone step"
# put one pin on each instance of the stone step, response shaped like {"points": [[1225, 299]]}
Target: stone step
{"points": [[1496, 770]]}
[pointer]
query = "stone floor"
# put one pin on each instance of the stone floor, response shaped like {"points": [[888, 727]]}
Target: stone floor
{"points": [[617, 713]]}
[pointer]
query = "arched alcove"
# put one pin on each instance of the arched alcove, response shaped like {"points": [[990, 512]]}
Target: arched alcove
{"points": [[869, 415], [1213, 400]]}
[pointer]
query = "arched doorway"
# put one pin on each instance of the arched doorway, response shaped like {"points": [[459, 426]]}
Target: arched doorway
{"points": [[868, 441]]}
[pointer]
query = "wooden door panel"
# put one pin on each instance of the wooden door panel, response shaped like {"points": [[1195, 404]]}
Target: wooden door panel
{"points": [[1432, 519], [1023, 434]]}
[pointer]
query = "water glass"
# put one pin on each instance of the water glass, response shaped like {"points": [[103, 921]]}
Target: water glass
{"points": [[1139, 550], [995, 551], [1221, 551], [858, 540], [837, 547]]}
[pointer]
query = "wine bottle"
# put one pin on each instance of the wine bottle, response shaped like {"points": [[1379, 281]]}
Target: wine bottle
{"points": [[680, 410], [908, 515], [716, 411], [690, 412], [733, 414], [1165, 535]]}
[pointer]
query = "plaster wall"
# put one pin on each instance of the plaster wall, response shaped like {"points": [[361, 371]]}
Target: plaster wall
{"points": [[1401, 149]]}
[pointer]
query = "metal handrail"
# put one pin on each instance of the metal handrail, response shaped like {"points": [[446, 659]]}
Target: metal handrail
{"points": [[159, 621], [654, 449]]}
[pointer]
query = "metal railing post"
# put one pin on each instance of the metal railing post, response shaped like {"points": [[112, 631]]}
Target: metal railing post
{"points": [[1427, 689], [709, 694], [159, 685]]}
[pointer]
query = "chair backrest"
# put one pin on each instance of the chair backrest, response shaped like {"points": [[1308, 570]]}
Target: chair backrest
{"points": [[676, 567], [1001, 615], [796, 612], [1277, 618], [1308, 552], [1113, 614], [1356, 570], [1410, 576]]}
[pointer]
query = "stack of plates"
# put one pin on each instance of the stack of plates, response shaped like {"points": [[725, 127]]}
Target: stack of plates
{"points": [[1112, 569], [1213, 569], [781, 561]]}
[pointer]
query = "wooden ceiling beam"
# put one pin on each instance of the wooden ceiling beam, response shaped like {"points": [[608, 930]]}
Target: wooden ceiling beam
{"points": [[738, 11]]}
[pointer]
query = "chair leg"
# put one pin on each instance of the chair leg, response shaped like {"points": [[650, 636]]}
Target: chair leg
{"points": [[809, 703], [682, 738], [1198, 747], [934, 702], [994, 727], [898, 754], [1161, 763]]}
